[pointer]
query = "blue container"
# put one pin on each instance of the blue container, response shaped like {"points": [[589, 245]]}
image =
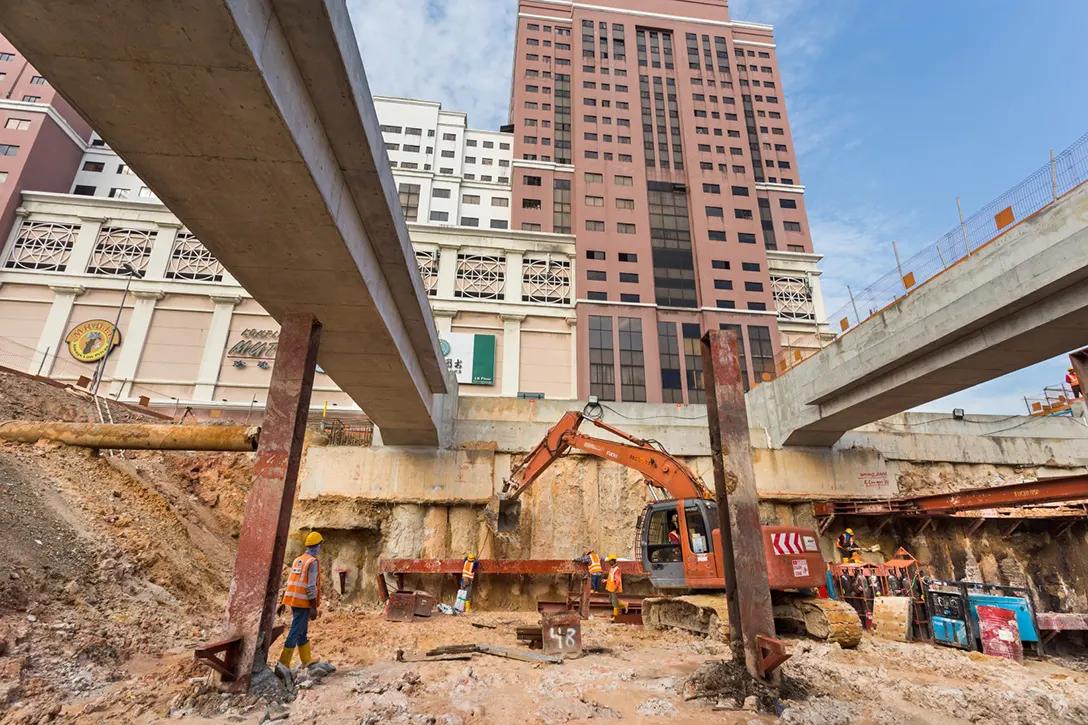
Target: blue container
{"points": [[1024, 619], [950, 631]]}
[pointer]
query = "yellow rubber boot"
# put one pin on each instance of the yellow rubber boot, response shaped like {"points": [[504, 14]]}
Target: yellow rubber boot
{"points": [[286, 656], [615, 612], [468, 606], [304, 654]]}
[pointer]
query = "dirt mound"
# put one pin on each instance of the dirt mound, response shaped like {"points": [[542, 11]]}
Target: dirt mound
{"points": [[23, 398]]}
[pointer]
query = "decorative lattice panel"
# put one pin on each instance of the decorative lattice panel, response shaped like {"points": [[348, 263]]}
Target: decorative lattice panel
{"points": [[118, 245], [191, 260], [480, 277], [43, 246], [546, 280], [428, 269], [793, 298]]}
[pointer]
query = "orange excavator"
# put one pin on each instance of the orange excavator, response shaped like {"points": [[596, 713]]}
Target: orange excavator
{"points": [[679, 542]]}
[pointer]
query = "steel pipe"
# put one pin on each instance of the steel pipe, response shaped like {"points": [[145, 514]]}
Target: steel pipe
{"points": [[135, 436]]}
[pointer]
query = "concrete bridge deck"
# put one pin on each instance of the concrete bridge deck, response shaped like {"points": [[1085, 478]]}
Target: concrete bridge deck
{"points": [[253, 122], [1015, 302]]}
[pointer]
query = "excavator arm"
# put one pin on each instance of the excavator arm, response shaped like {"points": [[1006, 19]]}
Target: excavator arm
{"points": [[659, 467]]}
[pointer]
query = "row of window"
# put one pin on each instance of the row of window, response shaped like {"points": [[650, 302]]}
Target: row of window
{"points": [[98, 166], [114, 193], [559, 29], [680, 359]]}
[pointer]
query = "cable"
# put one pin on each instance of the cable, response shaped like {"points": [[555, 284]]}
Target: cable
{"points": [[651, 417], [596, 414]]}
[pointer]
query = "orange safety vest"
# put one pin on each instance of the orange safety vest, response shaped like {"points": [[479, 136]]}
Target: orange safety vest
{"points": [[615, 581], [1071, 378], [467, 571], [595, 564], [295, 594]]}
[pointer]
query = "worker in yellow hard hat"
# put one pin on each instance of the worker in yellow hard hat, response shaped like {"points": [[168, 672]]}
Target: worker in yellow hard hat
{"points": [[1074, 382], [303, 596], [468, 576], [848, 547], [614, 585]]}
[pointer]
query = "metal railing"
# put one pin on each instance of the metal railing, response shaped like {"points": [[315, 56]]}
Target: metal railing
{"points": [[1054, 399], [1045, 186]]}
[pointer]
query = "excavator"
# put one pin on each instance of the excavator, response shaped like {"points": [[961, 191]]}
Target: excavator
{"points": [[679, 542]]}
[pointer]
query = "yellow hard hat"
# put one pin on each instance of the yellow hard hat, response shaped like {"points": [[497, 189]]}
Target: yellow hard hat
{"points": [[313, 538], [1070, 369], [850, 531], [471, 557], [611, 557]]}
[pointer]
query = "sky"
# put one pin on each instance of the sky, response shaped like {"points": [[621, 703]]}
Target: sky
{"points": [[896, 110]]}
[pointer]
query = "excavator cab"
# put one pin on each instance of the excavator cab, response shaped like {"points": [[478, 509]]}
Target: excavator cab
{"points": [[680, 544]]}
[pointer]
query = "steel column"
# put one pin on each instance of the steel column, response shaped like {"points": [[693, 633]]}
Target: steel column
{"points": [[751, 619], [251, 605]]}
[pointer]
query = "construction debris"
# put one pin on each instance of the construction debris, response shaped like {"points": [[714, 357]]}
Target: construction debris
{"points": [[511, 654]]}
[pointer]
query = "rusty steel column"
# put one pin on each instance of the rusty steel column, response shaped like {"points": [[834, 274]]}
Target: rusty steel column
{"points": [[251, 605], [1079, 362], [743, 557]]}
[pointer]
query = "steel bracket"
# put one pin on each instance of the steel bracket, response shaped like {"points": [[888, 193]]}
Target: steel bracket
{"points": [[772, 653], [231, 651]]}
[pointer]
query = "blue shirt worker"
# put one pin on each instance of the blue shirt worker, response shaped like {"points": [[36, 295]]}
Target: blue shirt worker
{"points": [[468, 576], [595, 570], [303, 596]]}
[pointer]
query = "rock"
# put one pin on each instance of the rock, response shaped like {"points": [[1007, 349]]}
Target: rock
{"points": [[751, 703], [656, 707], [72, 588], [14, 575], [31, 618]]}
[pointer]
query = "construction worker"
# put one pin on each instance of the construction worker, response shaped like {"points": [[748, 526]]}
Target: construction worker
{"points": [[303, 595], [674, 530], [1074, 381], [468, 575], [614, 585], [595, 571], [848, 547]]}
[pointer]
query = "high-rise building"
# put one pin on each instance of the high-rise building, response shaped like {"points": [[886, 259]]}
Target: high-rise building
{"points": [[42, 138], [656, 131]]}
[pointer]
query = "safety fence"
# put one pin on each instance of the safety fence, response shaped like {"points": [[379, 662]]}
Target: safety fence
{"points": [[1045, 186]]}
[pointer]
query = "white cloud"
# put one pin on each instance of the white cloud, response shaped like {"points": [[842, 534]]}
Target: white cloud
{"points": [[459, 52]]}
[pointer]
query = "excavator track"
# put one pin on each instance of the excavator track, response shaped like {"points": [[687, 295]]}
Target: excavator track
{"points": [[830, 619], [708, 614]]}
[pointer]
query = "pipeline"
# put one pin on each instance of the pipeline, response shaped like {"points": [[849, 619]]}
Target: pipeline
{"points": [[135, 436]]}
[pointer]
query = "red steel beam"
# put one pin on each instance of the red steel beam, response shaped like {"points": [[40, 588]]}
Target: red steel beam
{"points": [[542, 567], [743, 556], [251, 604]]}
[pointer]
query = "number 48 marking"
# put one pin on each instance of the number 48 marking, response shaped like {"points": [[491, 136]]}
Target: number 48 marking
{"points": [[563, 637]]}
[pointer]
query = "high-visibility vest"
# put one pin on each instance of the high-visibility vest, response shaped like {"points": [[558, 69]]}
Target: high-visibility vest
{"points": [[615, 581], [295, 595], [468, 571], [595, 563], [1071, 378], [674, 537]]}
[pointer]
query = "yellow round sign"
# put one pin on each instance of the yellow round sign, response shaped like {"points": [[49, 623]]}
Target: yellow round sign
{"points": [[87, 340]]}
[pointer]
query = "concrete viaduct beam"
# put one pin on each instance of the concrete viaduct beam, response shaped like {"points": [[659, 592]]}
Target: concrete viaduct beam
{"points": [[252, 120], [1018, 301]]}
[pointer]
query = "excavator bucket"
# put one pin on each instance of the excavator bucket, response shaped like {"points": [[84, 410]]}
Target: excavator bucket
{"points": [[503, 516]]}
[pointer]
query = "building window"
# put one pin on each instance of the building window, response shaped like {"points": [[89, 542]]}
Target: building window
{"points": [[561, 204], [693, 362], [37, 81], [791, 226], [594, 201], [31, 99], [716, 235], [530, 227], [446, 154], [753, 286], [628, 257], [723, 284], [629, 277], [470, 221], [530, 203], [7, 56], [592, 178], [391, 129], [595, 254], [446, 171], [594, 226], [712, 189], [83, 190], [597, 296], [623, 228], [531, 180], [8, 150], [93, 166], [669, 356], [742, 213], [759, 340], [441, 194], [440, 216], [546, 280], [409, 200], [623, 180], [117, 246], [602, 361], [3, 177], [470, 199], [746, 238], [626, 297], [787, 203], [119, 193], [500, 201], [596, 275], [625, 203], [17, 124], [632, 367], [714, 211], [499, 224], [413, 131], [726, 304], [191, 260]]}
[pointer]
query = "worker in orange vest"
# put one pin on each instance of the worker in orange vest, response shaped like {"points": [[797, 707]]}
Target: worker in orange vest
{"points": [[303, 595], [468, 576], [595, 571], [614, 585], [1074, 382]]}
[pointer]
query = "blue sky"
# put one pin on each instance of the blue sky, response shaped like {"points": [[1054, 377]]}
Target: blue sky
{"points": [[896, 109]]}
